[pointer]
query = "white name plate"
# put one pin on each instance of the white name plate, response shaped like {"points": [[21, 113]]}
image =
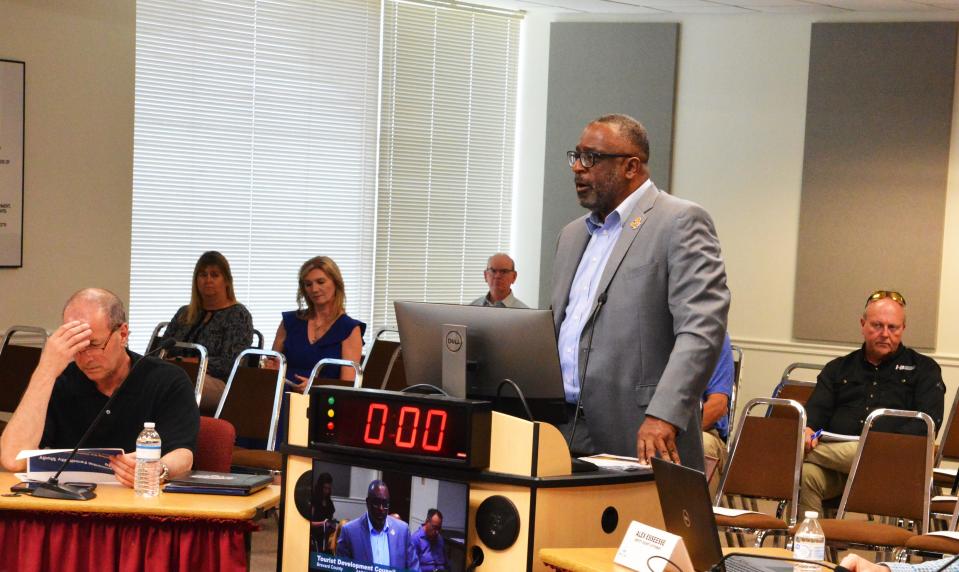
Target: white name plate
{"points": [[648, 549]]}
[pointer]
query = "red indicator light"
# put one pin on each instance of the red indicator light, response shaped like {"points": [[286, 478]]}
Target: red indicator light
{"points": [[461, 455], [329, 426]]}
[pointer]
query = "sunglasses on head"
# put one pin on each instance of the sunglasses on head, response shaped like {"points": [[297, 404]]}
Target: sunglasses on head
{"points": [[891, 294]]}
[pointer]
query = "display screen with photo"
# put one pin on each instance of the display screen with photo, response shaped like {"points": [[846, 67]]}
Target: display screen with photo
{"points": [[366, 519]]}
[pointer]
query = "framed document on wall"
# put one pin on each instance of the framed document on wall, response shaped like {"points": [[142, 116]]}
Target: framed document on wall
{"points": [[12, 76]]}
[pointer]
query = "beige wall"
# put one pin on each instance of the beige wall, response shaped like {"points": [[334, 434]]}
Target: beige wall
{"points": [[78, 156], [738, 151]]}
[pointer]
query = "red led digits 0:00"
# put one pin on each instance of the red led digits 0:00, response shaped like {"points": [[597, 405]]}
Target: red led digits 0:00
{"points": [[418, 428], [406, 428]]}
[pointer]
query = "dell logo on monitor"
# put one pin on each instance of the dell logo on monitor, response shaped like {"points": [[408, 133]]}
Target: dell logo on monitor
{"points": [[454, 341]]}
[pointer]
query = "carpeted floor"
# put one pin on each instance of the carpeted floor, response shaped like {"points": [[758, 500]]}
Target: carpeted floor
{"points": [[265, 543]]}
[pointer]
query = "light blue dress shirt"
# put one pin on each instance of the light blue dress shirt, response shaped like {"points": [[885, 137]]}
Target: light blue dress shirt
{"points": [[380, 544], [582, 292]]}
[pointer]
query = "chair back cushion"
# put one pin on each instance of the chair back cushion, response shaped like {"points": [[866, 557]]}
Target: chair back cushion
{"points": [[249, 402], [214, 445], [891, 477], [798, 391], [191, 368], [383, 360], [763, 463], [16, 366], [950, 438]]}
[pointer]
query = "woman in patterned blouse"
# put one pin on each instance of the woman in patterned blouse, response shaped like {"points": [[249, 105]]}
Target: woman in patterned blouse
{"points": [[215, 320]]}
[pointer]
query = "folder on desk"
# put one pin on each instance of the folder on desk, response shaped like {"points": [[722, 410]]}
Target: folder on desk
{"points": [[88, 465], [213, 483]]}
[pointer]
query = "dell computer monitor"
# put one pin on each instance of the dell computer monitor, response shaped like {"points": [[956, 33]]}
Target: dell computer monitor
{"points": [[502, 343]]}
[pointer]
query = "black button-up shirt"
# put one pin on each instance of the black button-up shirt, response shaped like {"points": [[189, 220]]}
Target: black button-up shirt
{"points": [[849, 388]]}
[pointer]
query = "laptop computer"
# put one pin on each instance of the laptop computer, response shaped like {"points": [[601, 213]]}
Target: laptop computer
{"points": [[688, 513], [213, 483]]}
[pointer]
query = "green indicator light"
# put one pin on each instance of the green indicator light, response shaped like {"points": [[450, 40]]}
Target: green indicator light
{"points": [[330, 400]]}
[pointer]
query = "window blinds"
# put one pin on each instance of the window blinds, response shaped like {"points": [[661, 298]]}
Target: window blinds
{"points": [[377, 132], [255, 135], [446, 152]]}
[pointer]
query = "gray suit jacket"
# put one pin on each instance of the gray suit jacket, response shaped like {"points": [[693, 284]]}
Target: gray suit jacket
{"points": [[658, 336]]}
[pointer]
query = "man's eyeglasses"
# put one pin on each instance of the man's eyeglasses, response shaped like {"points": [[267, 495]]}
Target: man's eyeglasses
{"points": [[500, 271], [379, 503], [100, 347], [891, 294], [588, 158]]}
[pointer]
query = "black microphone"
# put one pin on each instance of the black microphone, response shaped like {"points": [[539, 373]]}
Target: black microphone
{"points": [[600, 301], [52, 489]]}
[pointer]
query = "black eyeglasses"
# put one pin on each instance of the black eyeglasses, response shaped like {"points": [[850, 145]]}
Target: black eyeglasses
{"points": [[500, 271], [588, 158], [378, 503], [102, 346], [891, 294]]}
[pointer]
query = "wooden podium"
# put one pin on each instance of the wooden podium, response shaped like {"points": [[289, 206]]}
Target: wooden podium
{"points": [[525, 500]]}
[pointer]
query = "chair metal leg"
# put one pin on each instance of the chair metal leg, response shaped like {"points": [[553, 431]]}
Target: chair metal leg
{"points": [[760, 538], [833, 554], [740, 537], [781, 509], [730, 539]]}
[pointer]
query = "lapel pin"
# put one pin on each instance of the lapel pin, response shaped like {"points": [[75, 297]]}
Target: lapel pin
{"points": [[636, 222]]}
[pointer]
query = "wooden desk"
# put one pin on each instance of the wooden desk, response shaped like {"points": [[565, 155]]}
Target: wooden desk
{"points": [[118, 531], [601, 559]]}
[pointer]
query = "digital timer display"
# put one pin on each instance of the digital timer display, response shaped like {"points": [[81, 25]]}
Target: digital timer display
{"points": [[432, 429], [405, 427]]}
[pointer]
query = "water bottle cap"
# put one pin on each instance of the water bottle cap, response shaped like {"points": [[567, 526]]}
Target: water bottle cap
{"points": [[811, 514], [149, 425]]}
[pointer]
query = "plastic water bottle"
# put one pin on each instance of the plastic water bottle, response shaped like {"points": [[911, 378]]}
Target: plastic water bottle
{"points": [[146, 482], [809, 543]]}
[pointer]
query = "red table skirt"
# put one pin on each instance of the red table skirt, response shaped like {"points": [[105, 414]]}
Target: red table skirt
{"points": [[39, 541]]}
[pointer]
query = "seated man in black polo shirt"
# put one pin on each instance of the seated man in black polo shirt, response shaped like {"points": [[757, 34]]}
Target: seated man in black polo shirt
{"points": [[882, 373], [82, 364]]}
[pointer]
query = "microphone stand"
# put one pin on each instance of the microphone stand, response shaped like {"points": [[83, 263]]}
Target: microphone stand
{"points": [[600, 301], [52, 489]]}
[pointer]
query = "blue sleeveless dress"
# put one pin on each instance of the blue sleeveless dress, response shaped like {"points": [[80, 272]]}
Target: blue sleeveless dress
{"points": [[301, 355]]}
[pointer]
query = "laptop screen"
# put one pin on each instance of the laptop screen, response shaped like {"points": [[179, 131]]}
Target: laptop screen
{"points": [[688, 511]]}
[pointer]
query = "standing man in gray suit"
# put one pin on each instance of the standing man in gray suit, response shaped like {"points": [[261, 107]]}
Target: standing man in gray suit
{"points": [[639, 302]]}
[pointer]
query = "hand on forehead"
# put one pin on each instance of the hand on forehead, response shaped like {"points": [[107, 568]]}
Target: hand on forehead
{"points": [[85, 313]]}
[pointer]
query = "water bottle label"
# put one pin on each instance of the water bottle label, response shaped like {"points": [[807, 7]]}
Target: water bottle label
{"points": [[809, 550], [148, 452]]}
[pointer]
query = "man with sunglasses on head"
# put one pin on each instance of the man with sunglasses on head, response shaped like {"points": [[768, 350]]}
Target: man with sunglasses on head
{"points": [[82, 364], [500, 274], [882, 373], [639, 303]]}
